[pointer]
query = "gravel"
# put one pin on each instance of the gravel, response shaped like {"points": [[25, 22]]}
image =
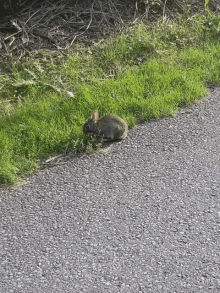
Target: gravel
{"points": [[142, 217]]}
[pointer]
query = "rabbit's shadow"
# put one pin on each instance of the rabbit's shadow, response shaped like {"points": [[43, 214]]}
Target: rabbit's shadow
{"points": [[106, 145], [100, 144]]}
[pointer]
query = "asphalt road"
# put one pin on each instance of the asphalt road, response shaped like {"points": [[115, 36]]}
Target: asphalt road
{"points": [[144, 217]]}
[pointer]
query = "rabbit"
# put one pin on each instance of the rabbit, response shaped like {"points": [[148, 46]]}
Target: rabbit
{"points": [[110, 127]]}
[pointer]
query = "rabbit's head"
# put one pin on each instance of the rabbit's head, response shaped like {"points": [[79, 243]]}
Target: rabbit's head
{"points": [[91, 125]]}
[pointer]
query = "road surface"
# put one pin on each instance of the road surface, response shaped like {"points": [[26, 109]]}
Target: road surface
{"points": [[143, 217]]}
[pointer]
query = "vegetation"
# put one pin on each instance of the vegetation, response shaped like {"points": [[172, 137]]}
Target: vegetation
{"points": [[146, 71]]}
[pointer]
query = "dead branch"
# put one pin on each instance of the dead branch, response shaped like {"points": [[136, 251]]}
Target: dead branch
{"points": [[55, 25]]}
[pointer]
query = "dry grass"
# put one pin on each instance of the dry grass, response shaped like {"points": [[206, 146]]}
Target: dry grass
{"points": [[58, 25]]}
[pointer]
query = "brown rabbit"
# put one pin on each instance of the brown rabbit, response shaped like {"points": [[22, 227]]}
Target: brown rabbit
{"points": [[110, 127]]}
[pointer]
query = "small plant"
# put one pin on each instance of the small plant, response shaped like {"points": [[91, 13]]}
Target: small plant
{"points": [[36, 76], [206, 3]]}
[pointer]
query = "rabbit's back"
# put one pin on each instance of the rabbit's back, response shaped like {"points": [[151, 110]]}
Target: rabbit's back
{"points": [[112, 127]]}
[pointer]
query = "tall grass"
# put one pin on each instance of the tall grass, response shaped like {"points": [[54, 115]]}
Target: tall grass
{"points": [[148, 71]]}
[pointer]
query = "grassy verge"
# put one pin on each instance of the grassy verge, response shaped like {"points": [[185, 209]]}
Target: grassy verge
{"points": [[148, 71]]}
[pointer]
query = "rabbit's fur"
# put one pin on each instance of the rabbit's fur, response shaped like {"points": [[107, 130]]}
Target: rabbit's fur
{"points": [[110, 127]]}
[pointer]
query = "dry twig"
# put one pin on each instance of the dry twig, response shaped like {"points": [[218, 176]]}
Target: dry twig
{"points": [[55, 25]]}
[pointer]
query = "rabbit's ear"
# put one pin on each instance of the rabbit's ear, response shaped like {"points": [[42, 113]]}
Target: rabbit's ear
{"points": [[95, 115]]}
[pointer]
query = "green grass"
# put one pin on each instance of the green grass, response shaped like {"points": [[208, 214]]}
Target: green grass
{"points": [[148, 71]]}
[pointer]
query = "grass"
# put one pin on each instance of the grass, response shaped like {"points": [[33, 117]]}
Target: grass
{"points": [[147, 71]]}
